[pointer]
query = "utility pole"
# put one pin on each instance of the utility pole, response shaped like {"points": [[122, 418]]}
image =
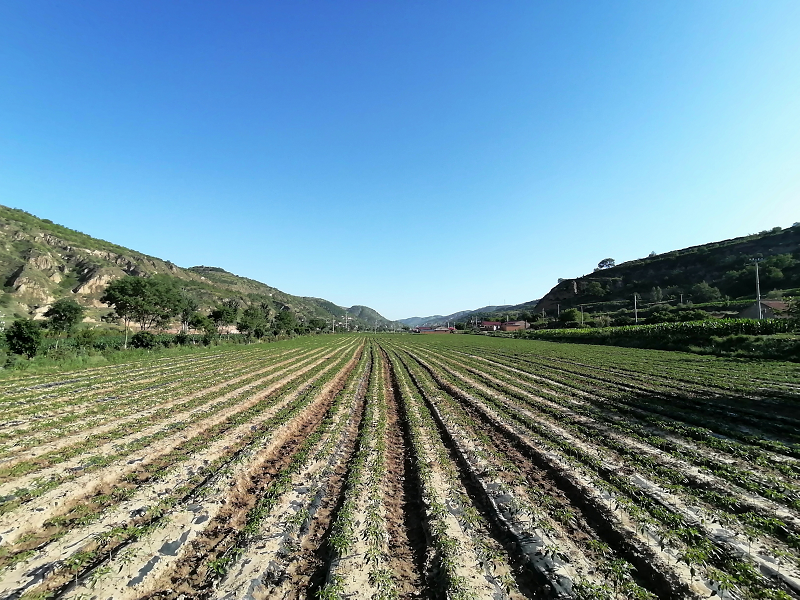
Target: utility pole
{"points": [[581, 315], [558, 310], [681, 298], [635, 310], [758, 288]]}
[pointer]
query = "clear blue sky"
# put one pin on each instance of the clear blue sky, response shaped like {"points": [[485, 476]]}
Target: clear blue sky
{"points": [[416, 157]]}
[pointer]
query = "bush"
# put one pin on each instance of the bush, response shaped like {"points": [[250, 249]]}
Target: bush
{"points": [[182, 338], [571, 315], [753, 346], [85, 338], [668, 336], [24, 337], [144, 339], [693, 315], [15, 361]]}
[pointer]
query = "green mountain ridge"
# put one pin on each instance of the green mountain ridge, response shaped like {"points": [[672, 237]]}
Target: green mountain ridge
{"points": [[41, 262], [487, 312]]}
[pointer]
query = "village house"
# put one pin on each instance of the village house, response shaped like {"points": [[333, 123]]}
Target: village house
{"points": [[434, 330], [770, 309], [513, 325], [490, 325]]}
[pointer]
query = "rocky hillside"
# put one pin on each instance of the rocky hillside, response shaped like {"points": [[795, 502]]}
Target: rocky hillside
{"points": [[41, 262], [699, 274]]}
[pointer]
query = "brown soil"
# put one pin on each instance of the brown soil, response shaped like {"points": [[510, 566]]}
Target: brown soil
{"points": [[308, 574], [579, 530], [191, 578], [62, 500], [525, 580], [660, 581], [38, 455], [407, 538]]}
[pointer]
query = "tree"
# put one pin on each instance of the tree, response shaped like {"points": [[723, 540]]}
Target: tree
{"points": [[285, 321], [656, 295], [702, 292], [252, 322], [318, 323], [203, 323], [594, 288], [144, 339], [602, 321], [693, 315], [188, 308], [225, 313], [24, 337], [793, 311], [85, 337], [571, 315], [147, 301], [123, 295], [606, 263], [64, 315]]}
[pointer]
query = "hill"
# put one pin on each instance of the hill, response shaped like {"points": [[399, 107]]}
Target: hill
{"points": [[717, 276], [716, 272], [41, 261], [487, 312]]}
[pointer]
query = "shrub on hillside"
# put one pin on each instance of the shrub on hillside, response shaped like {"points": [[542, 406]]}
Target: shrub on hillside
{"points": [[24, 337], [144, 339]]}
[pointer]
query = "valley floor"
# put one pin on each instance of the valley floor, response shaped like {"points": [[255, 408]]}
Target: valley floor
{"points": [[399, 466]]}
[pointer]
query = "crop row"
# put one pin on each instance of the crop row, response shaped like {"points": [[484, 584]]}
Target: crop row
{"points": [[215, 453], [593, 455]]}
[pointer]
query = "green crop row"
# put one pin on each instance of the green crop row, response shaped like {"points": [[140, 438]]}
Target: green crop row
{"points": [[697, 549]]}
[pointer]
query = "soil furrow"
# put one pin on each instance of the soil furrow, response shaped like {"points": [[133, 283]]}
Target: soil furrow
{"points": [[194, 575], [403, 500]]}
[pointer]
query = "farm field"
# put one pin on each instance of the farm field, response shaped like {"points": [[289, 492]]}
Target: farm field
{"points": [[398, 466]]}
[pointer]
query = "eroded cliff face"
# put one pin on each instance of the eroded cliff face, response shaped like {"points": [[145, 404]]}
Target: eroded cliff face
{"points": [[41, 262], [564, 291], [567, 292], [28, 285], [38, 268]]}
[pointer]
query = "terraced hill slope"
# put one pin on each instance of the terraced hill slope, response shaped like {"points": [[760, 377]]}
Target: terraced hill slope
{"points": [[726, 265]]}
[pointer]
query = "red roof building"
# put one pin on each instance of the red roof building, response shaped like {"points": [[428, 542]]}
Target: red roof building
{"points": [[490, 325]]}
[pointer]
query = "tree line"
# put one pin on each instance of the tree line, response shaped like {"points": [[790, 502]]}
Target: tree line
{"points": [[154, 303]]}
